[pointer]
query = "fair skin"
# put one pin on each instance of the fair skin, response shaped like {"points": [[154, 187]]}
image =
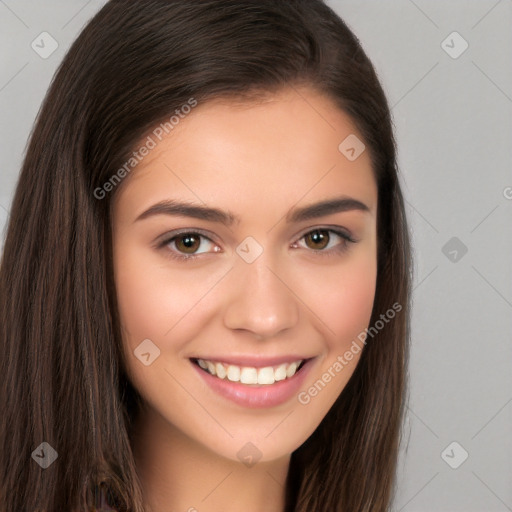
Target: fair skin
{"points": [[304, 297]]}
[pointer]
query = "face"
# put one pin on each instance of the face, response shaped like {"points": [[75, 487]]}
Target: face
{"points": [[258, 264]]}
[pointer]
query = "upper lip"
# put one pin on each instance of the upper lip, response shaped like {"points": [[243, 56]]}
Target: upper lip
{"points": [[253, 361]]}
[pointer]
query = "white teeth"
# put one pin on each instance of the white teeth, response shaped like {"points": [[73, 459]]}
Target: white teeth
{"points": [[233, 373], [266, 375], [280, 372], [292, 368], [211, 367], [220, 370], [250, 375]]}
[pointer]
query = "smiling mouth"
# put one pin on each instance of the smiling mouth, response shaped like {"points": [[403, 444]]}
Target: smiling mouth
{"points": [[250, 375]]}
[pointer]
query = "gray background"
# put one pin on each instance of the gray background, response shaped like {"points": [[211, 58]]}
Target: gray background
{"points": [[453, 127]]}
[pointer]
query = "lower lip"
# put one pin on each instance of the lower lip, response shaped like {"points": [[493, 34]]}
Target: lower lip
{"points": [[256, 396]]}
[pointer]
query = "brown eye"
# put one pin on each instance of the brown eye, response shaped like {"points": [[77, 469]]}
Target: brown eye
{"points": [[188, 243], [326, 242], [318, 239]]}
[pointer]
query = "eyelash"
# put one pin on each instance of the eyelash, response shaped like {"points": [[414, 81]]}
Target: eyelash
{"points": [[338, 249]]}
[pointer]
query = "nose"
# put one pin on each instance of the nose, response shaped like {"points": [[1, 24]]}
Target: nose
{"points": [[260, 300]]}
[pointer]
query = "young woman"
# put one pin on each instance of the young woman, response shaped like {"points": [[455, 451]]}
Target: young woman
{"points": [[205, 282]]}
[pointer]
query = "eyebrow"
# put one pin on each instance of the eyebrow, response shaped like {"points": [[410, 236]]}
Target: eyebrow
{"points": [[312, 211]]}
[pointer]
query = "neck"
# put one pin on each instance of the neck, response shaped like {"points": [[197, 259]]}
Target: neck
{"points": [[180, 474]]}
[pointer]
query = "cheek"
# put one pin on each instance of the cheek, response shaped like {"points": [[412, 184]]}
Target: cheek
{"points": [[147, 311], [140, 300], [166, 307], [345, 308], [351, 307], [344, 302], [151, 299]]}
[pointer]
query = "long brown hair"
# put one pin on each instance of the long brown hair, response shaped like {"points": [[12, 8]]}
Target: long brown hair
{"points": [[63, 380]]}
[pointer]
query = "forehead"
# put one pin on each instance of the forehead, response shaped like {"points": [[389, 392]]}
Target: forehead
{"points": [[265, 154]]}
